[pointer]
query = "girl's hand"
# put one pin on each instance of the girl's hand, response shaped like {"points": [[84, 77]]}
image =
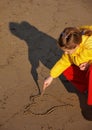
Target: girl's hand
{"points": [[47, 82], [84, 66]]}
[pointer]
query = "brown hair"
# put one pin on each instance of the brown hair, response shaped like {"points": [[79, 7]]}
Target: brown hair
{"points": [[72, 36], [86, 32]]}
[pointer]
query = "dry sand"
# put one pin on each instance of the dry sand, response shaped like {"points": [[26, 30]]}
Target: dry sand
{"points": [[28, 33]]}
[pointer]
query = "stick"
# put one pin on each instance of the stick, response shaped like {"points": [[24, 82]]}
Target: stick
{"points": [[42, 92]]}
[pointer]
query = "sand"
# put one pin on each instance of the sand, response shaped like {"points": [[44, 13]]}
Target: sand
{"points": [[28, 33]]}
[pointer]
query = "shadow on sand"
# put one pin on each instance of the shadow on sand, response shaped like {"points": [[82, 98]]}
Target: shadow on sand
{"points": [[43, 48]]}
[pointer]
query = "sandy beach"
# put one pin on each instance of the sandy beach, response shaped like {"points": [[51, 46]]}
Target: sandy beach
{"points": [[29, 30]]}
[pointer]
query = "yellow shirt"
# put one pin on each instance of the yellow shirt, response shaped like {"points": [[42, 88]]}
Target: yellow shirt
{"points": [[82, 54]]}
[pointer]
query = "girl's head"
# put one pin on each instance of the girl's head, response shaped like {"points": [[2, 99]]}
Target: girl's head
{"points": [[70, 38]]}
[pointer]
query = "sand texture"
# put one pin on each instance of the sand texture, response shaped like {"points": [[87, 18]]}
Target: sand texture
{"points": [[29, 30]]}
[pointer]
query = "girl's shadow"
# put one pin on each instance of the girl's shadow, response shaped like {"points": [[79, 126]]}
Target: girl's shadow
{"points": [[42, 48]]}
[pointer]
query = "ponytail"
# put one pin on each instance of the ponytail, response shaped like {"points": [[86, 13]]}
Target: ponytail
{"points": [[86, 32]]}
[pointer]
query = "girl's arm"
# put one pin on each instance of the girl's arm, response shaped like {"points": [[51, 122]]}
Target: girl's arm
{"points": [[47, 82], [57, 69], [60, 66]]}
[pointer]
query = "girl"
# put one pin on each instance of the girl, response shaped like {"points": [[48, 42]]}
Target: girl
{"points": [[76, 61]]}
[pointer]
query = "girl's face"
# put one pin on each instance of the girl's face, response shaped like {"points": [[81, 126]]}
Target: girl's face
{"points": [[69, 51]]}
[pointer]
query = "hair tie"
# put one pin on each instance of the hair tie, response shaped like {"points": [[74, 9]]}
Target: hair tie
{"points": [[82, 32]]}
